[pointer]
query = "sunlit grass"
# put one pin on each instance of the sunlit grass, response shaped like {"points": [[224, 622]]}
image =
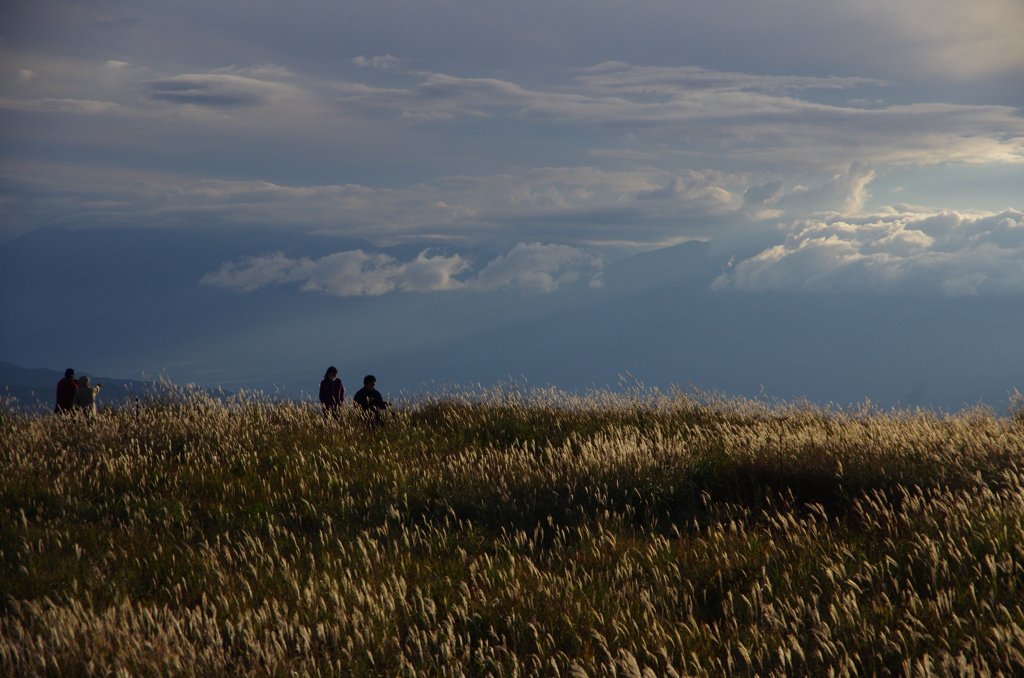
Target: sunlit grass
{"points": [[511, 533]]}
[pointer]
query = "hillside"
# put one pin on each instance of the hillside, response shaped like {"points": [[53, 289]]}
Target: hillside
{"points": [[512, 534]]}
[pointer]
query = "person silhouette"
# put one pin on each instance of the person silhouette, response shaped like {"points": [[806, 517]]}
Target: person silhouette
{"points": [[332, 392], [370, 401], [85, 396], [66, 388]]}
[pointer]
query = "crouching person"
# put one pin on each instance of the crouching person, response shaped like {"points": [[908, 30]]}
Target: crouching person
{"points": [[370, 401]]}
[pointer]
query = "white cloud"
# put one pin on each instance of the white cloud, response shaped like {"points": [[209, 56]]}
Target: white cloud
{"points": [[357, 273], [383, 62], [539, 268], [344, 274], [704, 189], [945, 253], [257, 272], [844, 193], [24, 75], [531, 268]]}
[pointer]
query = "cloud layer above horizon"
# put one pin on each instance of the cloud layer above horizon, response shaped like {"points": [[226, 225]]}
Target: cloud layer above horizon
{"points": [[529, 267], [770, 146]]}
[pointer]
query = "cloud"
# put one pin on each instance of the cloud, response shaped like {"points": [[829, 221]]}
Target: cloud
{"points": [[253, 144], [531, 268], [758, 118], [621, 78], [440, 94], [73, 106], [344, 274], [763, 120], [24, 75], [257, 272], [581, 206], [217, 89], [845, 193], [539, 268], [623, 154], [577, 206], [383, 62], [950, 37], [765, 194], [946, 253], [258, 71], [696, 188], [118, 89]]}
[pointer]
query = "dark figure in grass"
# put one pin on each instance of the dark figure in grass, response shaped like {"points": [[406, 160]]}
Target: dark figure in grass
{"points": [[66, 388], [332, 392], [370, 401]]}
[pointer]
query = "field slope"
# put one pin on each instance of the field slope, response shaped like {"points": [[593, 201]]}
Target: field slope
{"points": [[511, 534]]}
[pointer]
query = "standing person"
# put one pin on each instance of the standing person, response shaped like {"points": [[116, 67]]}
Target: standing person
{"points": [[370, 400], [332, 392], [85, 396], [66, 388]]}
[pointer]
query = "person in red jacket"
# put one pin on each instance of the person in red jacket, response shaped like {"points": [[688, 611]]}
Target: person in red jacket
{"points": [[66, 388], [332, 392]]}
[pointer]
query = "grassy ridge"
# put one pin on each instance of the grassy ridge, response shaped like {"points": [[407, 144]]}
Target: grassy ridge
{"points": [[511, 534]]}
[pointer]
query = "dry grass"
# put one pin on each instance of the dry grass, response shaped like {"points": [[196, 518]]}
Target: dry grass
{"points": [[512, 534]]}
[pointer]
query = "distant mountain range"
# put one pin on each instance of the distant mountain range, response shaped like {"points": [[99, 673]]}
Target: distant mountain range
{"points": [[32, 389]]}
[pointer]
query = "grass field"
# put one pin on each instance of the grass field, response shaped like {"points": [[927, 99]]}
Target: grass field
{"points": [[512, 534]]}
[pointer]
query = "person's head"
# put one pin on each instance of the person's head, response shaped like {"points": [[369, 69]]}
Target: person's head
{"points": [[83, 381], [69, 373], [331, 373], [369, 380]]}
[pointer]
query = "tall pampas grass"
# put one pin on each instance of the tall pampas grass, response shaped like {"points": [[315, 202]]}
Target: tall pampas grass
{"points": [[511, 532]]}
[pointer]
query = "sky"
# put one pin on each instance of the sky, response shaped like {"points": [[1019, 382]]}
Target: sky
{"points": [[784, 199]]}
